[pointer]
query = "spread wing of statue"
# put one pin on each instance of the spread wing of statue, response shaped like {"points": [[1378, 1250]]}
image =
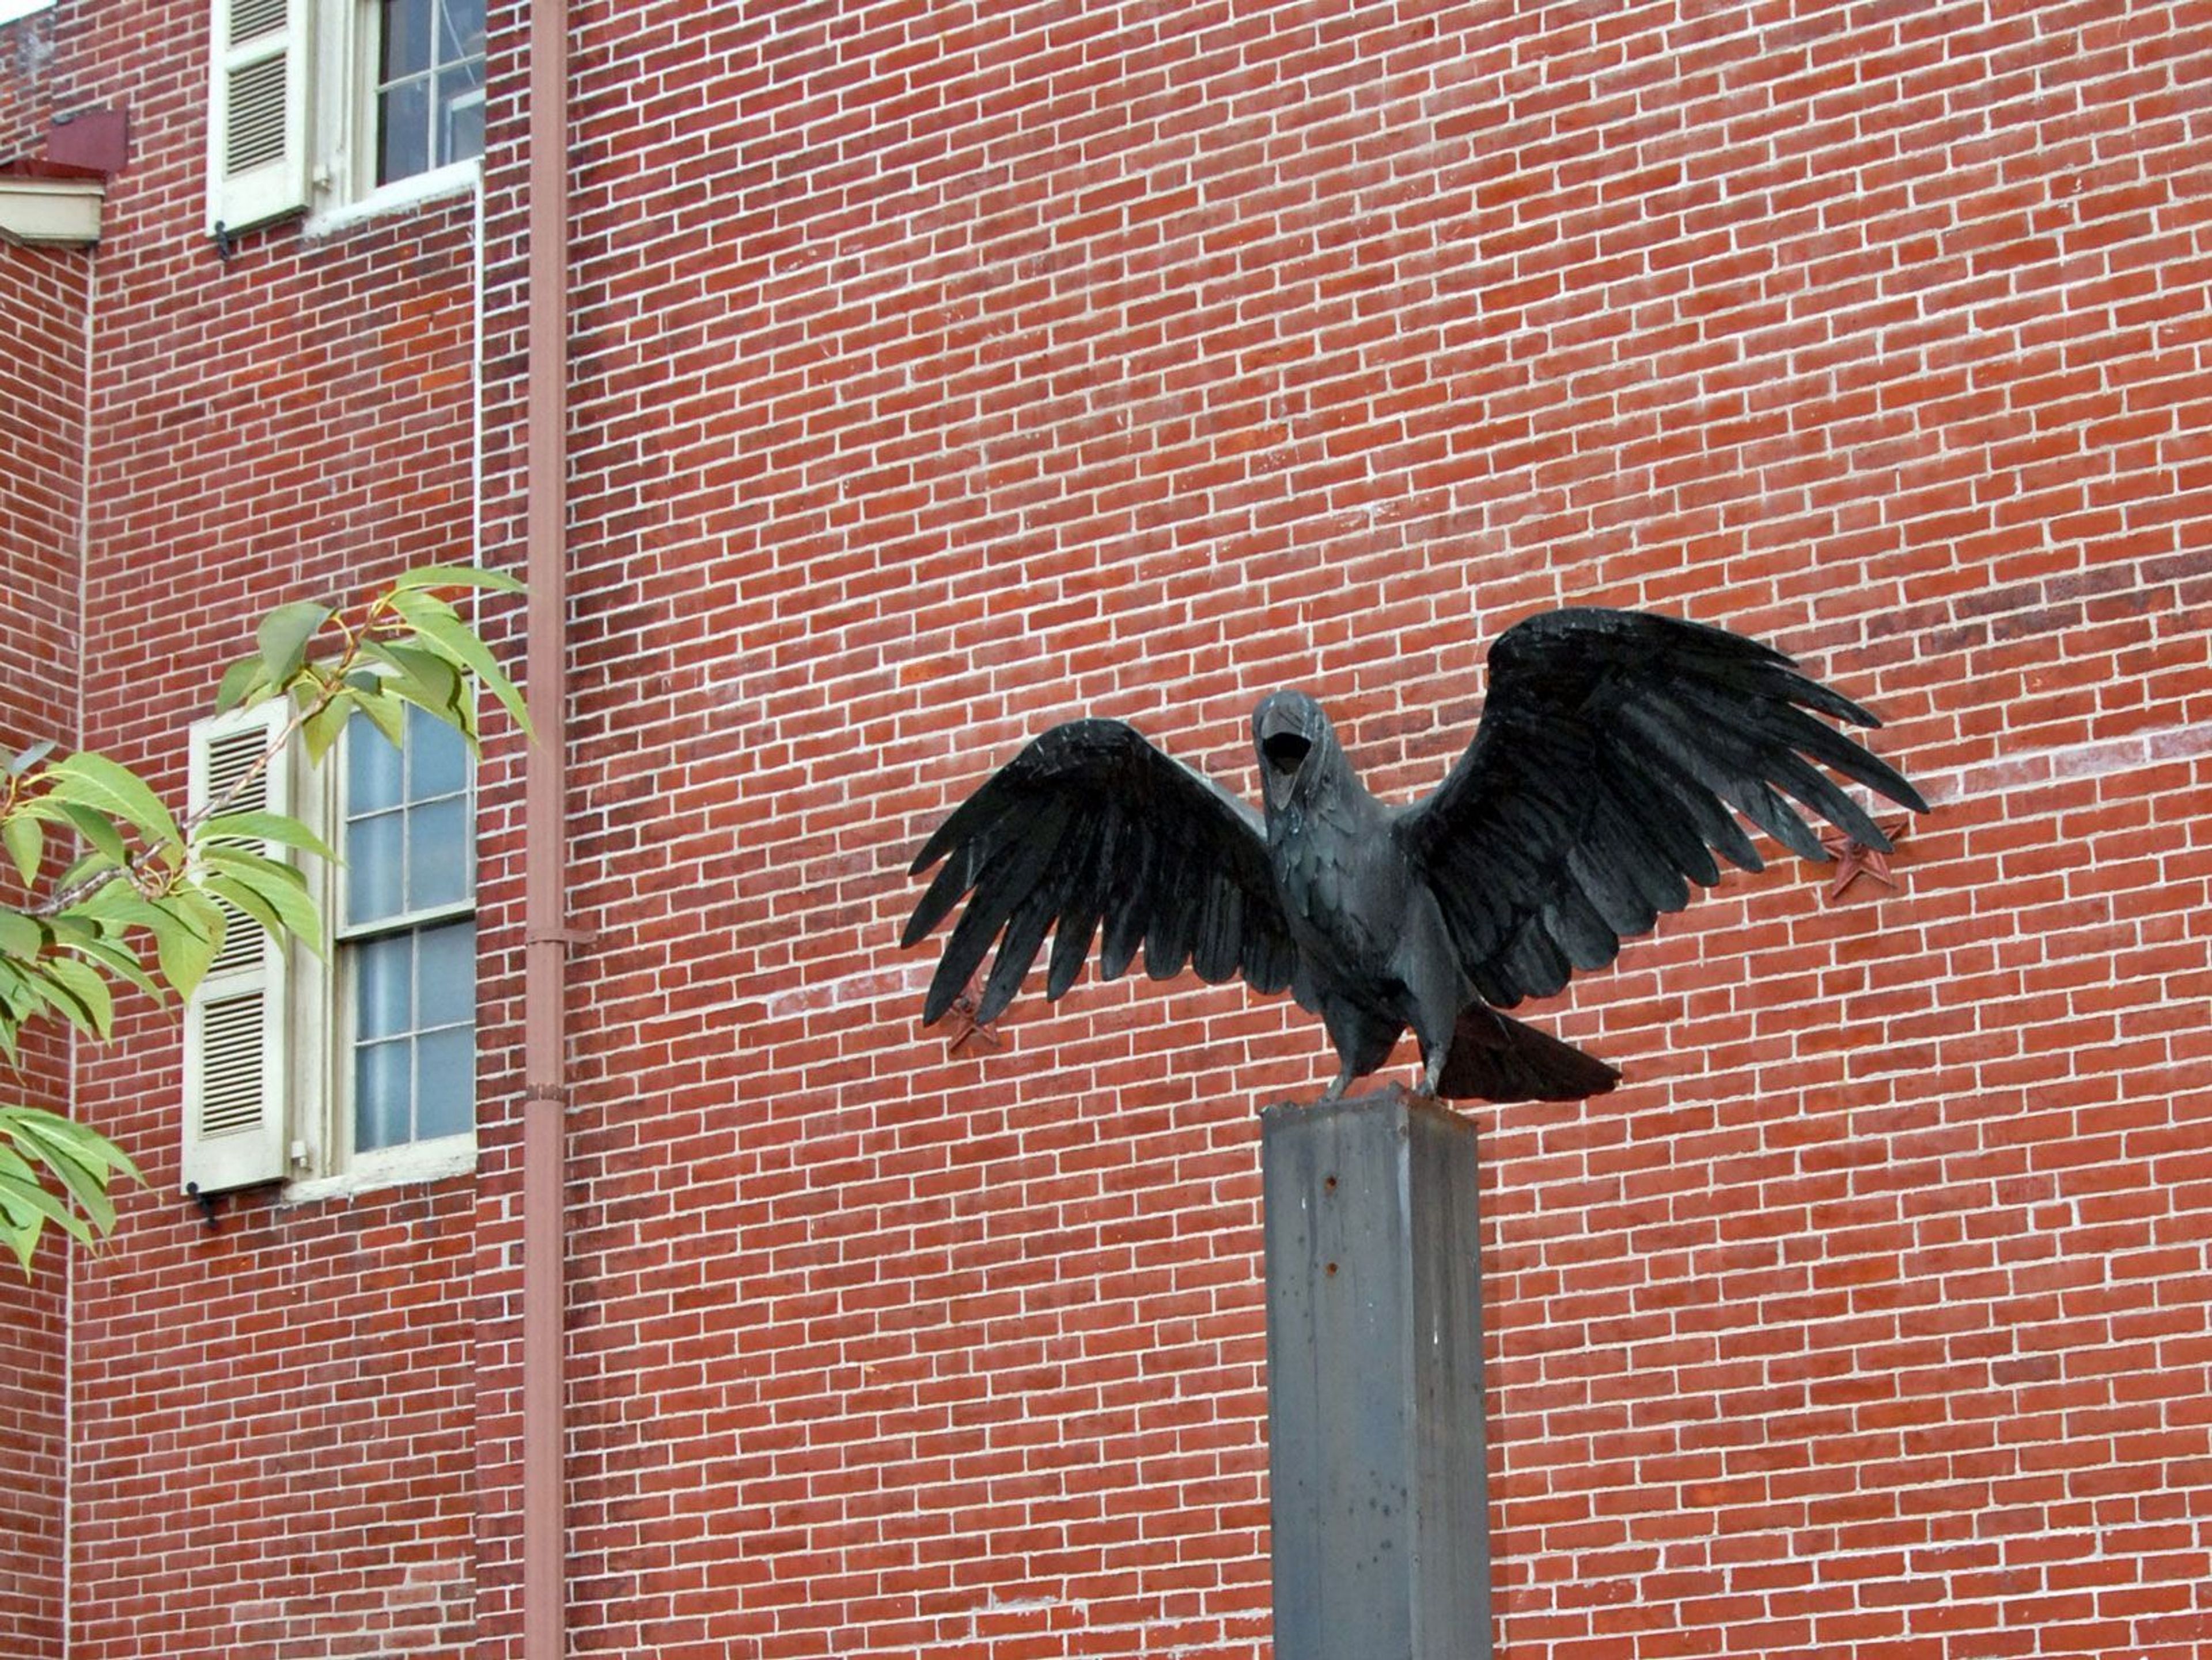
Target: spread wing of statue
{"points": [[1615, 752]]}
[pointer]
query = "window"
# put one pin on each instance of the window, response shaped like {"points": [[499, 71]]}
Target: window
{"points": [[429, 85], [407, 945], [355, 1068], [340, 105]]}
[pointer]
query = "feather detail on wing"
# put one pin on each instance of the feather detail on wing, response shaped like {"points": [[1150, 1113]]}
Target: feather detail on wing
{"points": [[1599, 785], [1091, 833]]}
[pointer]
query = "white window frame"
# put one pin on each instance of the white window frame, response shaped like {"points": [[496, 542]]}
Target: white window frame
{"points": [[342, 180], [312, 1045], [334, 1166]]}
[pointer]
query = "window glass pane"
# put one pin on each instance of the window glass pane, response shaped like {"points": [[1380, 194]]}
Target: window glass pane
{"points": [[403, 130], [460, 133], [438, 856], [461, 30], [437, 760], [446, 975], [380, 1112], [444, 1082], [384, 1005], [406, 39], [429, 85], [372, 768], [373, 868], [414, 990]]}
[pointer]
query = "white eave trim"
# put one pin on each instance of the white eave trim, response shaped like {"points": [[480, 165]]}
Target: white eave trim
{"points": [[63, 210]]}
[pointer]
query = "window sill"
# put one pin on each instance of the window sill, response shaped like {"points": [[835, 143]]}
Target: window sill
{"points": [[389, 1167], [459, 178]]}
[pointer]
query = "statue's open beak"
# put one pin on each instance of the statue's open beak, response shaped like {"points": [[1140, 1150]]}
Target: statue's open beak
{"points": [[1284, 746]]}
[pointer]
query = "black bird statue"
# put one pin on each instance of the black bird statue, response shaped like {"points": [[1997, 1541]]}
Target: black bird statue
{"points": [[1611, 746]]}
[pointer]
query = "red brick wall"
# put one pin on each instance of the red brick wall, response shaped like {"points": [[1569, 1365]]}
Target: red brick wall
{"points": [[987, 366], [272, 1423], [29, 73], [45, 297], [940, 371]]}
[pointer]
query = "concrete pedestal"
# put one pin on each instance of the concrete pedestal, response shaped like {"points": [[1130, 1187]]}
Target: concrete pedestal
{"points": [[1380, 1500]]}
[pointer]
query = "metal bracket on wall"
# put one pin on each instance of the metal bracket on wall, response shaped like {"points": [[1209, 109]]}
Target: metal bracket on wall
{"points": [[206, 1203], [569, 938]]}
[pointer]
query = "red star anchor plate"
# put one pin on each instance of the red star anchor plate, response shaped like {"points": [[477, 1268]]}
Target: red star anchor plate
{"points": [[1854, 859]]}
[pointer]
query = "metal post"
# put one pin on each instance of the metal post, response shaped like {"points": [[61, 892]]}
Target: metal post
{"points": [[1381, 1505]]}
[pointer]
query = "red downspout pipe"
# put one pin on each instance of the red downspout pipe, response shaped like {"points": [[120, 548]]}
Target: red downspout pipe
{"points": [[545, 923]]}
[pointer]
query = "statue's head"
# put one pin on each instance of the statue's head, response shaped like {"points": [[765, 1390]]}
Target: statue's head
{"points": [[1293, 741]]}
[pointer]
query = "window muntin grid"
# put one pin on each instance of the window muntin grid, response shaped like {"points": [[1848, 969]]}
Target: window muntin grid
{"points": [[408, 940], [429, 85]]}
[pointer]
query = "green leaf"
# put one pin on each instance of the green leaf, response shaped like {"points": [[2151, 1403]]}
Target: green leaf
{"points": [[121, 962], [437, 680], [254, 866], [93, 781], [25, 759], [457, 576], [299, 915], [19, 936], [322, 728], [21, 1192], [264, 827], [84, 984], [247, 900], [241, 681], [70, 929], [26, 841], [58, 995], [413, 606], [457, 642], [280, 889], [36, 1128], [389, 716], [27, 1206], [78, 1158], [83, 1179], [118, 906], [182, 947], [283, 636], [311, 686], [198, 913], [98, 829]]}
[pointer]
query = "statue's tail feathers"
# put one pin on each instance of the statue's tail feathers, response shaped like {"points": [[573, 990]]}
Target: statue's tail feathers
{"points": [[1495, 1058]]}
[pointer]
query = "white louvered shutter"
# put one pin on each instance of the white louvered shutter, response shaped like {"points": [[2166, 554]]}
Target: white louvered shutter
{"points": [[257, 112], [235, 1038]]}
